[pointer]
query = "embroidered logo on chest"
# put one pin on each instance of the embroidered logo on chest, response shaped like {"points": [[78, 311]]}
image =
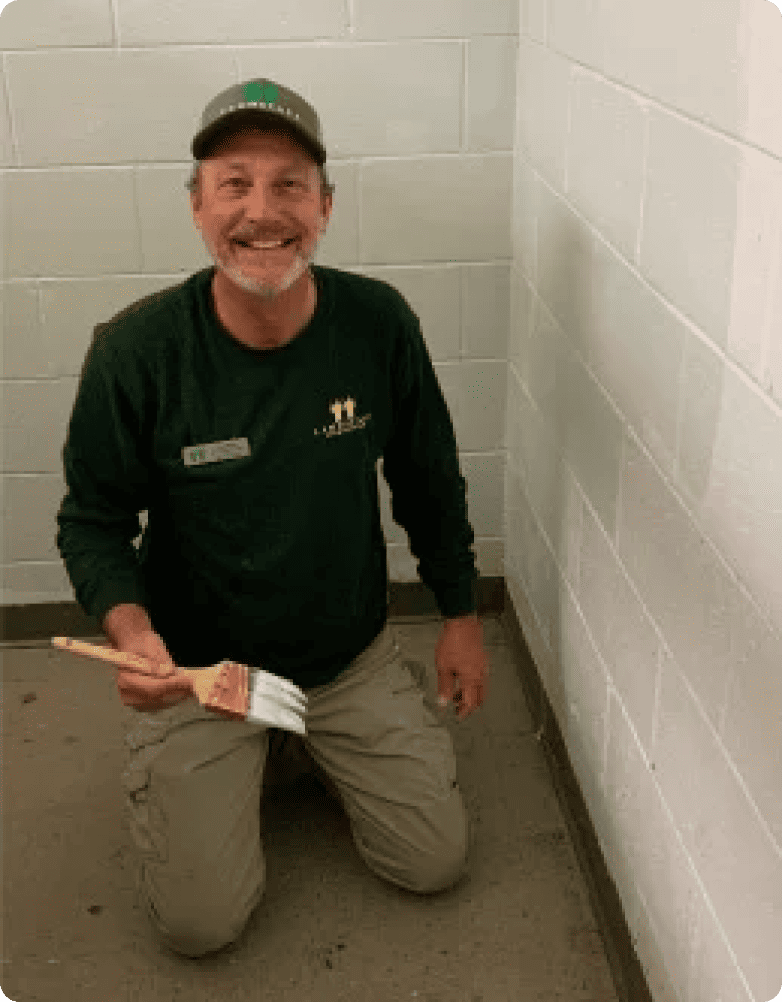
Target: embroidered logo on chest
{"points": [[345, 418]]}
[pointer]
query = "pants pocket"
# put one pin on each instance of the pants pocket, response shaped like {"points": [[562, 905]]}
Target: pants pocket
{"points": [[147, 820]]}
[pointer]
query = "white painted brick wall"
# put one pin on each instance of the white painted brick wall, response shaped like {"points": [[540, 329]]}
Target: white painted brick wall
{"points": [[644, 487], [99, 107], [601, 192]]}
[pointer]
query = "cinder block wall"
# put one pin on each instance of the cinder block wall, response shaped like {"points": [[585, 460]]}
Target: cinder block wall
{"points": [[101, 101], [586, 217], [644, 447]]}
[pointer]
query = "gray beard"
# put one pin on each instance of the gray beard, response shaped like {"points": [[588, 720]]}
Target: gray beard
{"points": [[265, 289]]}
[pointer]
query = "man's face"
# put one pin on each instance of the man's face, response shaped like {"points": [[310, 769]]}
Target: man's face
{"points": [[260, 187]]}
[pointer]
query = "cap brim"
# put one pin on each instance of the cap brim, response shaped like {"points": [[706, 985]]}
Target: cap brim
{"points": [[209, 138]]}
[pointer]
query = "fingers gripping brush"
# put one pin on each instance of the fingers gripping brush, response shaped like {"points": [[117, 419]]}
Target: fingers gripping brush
{"points": [[229, 689]]}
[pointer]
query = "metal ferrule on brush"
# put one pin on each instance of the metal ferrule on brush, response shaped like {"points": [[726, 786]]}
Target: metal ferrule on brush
{"points": [[230, 694]]}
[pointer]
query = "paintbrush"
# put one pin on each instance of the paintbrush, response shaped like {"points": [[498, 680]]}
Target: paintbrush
{"points": [[230, 689]]}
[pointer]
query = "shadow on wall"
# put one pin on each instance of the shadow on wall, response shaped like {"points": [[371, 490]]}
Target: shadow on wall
{"points": [[564, 285]]}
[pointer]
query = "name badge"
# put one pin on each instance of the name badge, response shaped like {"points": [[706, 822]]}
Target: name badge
{"points": [[215, 452]]}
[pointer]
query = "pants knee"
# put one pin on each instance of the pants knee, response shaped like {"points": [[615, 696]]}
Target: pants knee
{"points": [[192, 942], [440, 872], [428, 871], [199, 929], [446, 864], [193, 936]]}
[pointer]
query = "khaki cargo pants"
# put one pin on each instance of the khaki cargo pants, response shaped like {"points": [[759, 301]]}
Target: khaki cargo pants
{"points": [[193, 785]]}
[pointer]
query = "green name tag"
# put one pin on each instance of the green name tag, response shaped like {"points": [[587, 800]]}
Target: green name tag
{"points": [[215, 452]]}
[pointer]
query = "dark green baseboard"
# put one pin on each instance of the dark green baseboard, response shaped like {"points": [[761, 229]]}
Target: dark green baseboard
{"points": [[20, 623], [38, 623]]}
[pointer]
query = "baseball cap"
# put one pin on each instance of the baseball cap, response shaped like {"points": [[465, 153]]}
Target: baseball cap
{"points": [[263, 103]]}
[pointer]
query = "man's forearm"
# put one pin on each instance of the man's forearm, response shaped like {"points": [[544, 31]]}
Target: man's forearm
{"points": [[125, 620]]}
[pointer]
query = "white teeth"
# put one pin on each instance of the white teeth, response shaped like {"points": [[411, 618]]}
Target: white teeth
{"points": [[277, 243]]}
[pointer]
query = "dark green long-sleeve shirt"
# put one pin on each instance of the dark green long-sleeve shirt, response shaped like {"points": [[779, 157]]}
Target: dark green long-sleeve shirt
{"points": [[270, 551]]}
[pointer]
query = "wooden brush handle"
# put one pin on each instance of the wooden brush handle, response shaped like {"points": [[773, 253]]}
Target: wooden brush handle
{"points": [[122, 658], [223, 688]]}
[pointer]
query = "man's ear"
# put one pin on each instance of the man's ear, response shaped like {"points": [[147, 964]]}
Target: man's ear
{"points": [[195, 207], [326, 211]]}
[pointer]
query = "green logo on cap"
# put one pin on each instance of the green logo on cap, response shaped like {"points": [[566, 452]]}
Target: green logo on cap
{"points": [[257, 92]]}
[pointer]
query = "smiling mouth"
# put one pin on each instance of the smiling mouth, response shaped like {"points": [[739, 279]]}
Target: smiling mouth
{"points": [[277, 246]]}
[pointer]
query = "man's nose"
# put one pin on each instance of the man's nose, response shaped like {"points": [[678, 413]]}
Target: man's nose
{"points": [[261, 202]]}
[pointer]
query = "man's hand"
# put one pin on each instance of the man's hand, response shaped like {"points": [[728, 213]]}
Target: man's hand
{"points": [[128, 628], [150, 692], [462, 664]]}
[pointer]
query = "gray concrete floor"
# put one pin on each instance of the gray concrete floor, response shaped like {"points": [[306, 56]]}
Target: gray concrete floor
{"points": [[519, 927]]}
